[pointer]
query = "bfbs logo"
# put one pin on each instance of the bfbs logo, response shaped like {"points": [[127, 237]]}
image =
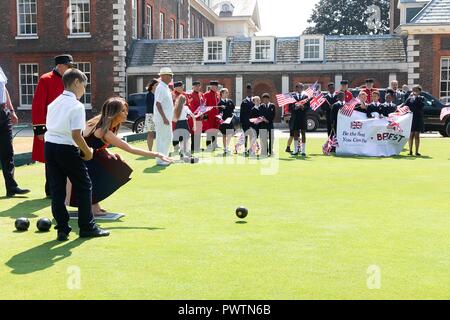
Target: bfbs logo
{"points": [[356, 125]]}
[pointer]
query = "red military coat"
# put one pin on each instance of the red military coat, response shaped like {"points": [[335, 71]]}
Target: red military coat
{"points": [[212, 99], [195, 99], [369, 94], [49, 87], [348, 96]]}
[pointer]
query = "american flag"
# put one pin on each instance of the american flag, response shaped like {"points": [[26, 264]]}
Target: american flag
{"points": [[284, 99], [445, 112], [349, 107], [317, 101], [312, 90], [257, 120], [202, 109], [402, 110]]}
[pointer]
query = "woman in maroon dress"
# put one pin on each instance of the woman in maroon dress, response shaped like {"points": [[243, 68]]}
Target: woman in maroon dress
{"points": [[108, 172]]}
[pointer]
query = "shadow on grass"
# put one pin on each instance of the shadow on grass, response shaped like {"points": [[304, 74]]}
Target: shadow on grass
{"points": [[43, 256], [241, 222], [26, 208], [155, 169]]}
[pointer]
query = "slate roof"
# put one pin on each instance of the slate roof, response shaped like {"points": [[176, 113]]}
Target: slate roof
{"points": [[338, 49], [435, 12]]}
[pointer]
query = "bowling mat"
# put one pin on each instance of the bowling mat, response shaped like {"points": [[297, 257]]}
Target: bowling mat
{"points": [[108, 217]]}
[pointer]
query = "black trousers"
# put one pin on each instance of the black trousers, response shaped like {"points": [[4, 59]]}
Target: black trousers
{"points": [[329, 124], [6, 150], [245, 128], [64, 162]]}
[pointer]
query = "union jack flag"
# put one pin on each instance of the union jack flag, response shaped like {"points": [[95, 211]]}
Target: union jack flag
{"points": [[284, 99], [312, 90], [331, 143], [349, 107], [317, 101]]}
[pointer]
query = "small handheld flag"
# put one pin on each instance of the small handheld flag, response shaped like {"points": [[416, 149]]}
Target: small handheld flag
{"points": [[284, 99], [349, 107], [317, 101]]}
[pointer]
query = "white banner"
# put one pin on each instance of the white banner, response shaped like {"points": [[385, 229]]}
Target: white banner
{"points": [[358, 135]]}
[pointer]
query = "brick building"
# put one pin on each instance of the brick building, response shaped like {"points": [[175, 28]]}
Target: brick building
{"points": [[271, 64], [425, 27], [101, 35]]}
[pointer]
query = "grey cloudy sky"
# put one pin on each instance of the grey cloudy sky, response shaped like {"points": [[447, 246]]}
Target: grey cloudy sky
{"points": [[285, 17]]}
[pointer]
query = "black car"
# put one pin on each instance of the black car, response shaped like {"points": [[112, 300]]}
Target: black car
{"points": [[137, 110], [432, 112]]}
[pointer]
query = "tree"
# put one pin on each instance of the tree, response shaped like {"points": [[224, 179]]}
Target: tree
{"points": [[350, 17]]}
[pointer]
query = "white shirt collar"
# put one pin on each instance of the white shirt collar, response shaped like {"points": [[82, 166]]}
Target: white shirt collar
{"points": [[69, 94]]}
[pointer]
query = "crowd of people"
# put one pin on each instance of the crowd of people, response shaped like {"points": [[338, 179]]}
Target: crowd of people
{"points": [[368, 102], [181, 117], [81, 172]]}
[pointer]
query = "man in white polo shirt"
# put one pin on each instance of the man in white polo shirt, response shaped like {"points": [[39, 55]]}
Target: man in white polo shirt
{"points": [[7, 119], [163, 114]]}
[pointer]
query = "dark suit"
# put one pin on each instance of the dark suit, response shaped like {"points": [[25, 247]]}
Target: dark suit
{"points": [[298, 116], [246, 107], [388, 108], [6, 149], [416, 105], [334, 114], [373, 107], [331, 99], [268, 112]]}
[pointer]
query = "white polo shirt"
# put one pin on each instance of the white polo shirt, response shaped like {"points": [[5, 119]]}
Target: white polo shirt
{"points": [[64, 114], [164, 97], [3, 82]]}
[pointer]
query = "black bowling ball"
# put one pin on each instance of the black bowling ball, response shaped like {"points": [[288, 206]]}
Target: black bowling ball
{"points": [[44, 224], [22, 224]]}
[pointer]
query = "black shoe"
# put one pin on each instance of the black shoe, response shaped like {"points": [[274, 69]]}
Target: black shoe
{"points": [[410, 153], [418, 154], [62, 236], [288, 150], [13, 192], [94, 233], [303, 154], [294, 154]]}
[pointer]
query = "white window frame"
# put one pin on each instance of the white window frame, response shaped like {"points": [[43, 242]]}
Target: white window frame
{"points": [[303, 39], [271, 57], [26, 35], [73, 34], [162, 23], [445, 98], [173, 23], [77, 65], [181, 31], [33, 84], [149, 15], [207, 41]]}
